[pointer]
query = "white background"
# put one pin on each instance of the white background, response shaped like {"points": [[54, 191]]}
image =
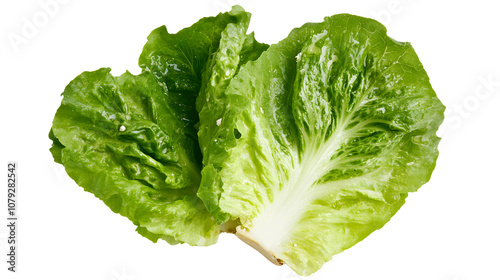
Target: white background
{"points": [[448, 230]]}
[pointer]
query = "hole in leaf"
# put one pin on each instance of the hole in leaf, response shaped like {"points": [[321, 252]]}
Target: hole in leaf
{"points": [[237, 134]]}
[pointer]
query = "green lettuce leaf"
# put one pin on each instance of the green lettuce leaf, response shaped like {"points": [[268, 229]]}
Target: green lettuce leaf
{"points": [[132, 140], [318, 142], [235, 50], [201, 58], [120, 139]]}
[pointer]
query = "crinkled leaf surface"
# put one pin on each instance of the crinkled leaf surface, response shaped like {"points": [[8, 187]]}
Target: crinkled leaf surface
{"points": [[223, 46], [132, 141], [118, 138], [178, 60], [318, 142], [235, 50]]}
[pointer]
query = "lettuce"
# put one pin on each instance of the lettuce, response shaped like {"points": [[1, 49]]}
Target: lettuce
{"points": [[302, 148], [118, 140], [131, 140], [318, 142]]}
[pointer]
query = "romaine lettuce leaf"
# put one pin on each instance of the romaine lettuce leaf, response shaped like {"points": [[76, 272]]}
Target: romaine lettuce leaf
{"points": [[131, 140], [318, 142], [223, 46], [235, 50], [118, 139]]}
